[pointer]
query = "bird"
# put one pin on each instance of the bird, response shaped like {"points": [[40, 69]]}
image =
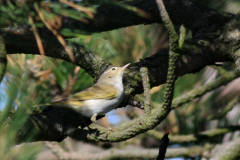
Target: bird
{"points": [[100, 98]]}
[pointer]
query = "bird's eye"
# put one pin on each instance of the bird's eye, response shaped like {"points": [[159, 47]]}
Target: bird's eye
{"points": [[113, 69]]}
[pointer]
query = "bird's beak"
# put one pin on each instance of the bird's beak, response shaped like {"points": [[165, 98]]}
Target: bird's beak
{"points": [[126, 66]]}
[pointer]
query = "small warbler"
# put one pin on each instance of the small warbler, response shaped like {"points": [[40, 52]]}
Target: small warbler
{"points": [[100, 98]]}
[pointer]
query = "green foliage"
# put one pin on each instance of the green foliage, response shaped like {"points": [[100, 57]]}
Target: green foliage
{"points": [[13, 15], [15, 113], [126, 45]]}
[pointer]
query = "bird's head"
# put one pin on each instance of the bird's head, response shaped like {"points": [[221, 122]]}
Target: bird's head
{"points": [[113, 75]]}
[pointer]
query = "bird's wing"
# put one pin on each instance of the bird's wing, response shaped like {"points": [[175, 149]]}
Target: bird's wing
{"points": [[97, 91], [63, 102]]}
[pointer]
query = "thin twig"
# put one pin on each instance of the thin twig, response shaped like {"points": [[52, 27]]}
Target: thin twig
{"points": [[177, 102], [88, 11], [228, 108], [173, 57], [198, 137], [37, 36], [55, 32], [173, 37], [146, 87]]}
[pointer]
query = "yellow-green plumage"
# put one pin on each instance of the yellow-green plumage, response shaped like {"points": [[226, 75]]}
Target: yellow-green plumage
{"points": [[100, 98], [97, 91]]}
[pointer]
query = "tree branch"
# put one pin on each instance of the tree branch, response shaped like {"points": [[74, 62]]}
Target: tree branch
{"points": [[200, 137], [194, 93], [226, 109], [227, 151], [127, 152], [53, 124], [89, 61], [146, 88], [107, 17]]}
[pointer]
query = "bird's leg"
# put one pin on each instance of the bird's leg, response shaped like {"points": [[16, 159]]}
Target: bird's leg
{"points": [[85, 123], [88, 127], [93, 118], [109, 131]]}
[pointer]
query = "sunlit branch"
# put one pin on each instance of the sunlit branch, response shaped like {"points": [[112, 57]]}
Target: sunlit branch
{"points": [[200, 137], [130, 152], [146, 88], [55, 32], [223, 80], [225, 110], [226, 151]]}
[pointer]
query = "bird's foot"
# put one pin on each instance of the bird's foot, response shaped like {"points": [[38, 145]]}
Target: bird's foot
{"points": [[109, 131], [91, 130], [94, 117]]}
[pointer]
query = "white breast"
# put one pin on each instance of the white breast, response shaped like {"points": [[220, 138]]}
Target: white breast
{"points": [[101, 106]]}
